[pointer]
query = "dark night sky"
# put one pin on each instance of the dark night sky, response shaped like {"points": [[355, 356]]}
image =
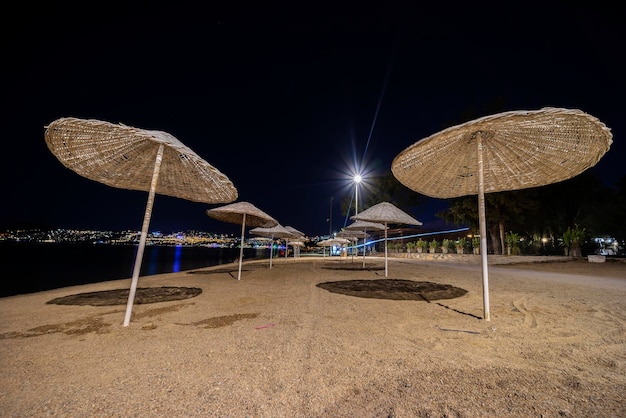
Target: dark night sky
{"points": [[284, 101]]}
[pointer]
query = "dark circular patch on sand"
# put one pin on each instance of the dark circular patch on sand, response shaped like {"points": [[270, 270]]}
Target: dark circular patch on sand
{"points": [[143, 295], [395, 289]]}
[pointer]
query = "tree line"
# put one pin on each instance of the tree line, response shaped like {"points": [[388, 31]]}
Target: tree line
{"points": [[547, 219]]}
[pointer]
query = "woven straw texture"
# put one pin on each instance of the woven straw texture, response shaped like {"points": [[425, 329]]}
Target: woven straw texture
{"points": [[520, 149], [124, 157], [234, 212], [351, 235], [365, 226], [387, 213], [333, 241], [295, 232], [277, 231]]}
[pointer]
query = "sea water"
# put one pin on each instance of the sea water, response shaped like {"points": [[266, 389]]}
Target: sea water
{"points": [[28, 267]]}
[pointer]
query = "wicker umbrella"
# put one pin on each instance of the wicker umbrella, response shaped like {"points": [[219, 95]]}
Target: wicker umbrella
{"points": [[277, 231], [294, 231], [353, 236], [332, 241], [386, 213], [296, 244], [136, 159], [242, 213], [364, 226], [506, 151]]}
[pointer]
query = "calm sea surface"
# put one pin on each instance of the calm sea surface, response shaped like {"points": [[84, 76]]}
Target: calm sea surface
{"points": [[28, 268]]}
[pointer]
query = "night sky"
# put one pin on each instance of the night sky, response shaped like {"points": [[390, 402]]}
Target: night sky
{"points": [[285, 101]]}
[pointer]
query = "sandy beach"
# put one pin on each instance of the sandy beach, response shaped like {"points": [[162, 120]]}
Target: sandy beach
{"points": [[277, 344]]}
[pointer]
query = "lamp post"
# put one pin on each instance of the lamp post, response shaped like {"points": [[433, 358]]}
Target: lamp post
{"points": [[357, 180]]}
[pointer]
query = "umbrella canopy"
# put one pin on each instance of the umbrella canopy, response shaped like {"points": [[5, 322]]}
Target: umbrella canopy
{"points": [[386, 213], [296, 243], [364, 226], [351, 235], [277, 231], [506, 151], [518, 150], [136, 159], [243, 213], [125, 157], [295, 232], [354, 237], [333, 241]]}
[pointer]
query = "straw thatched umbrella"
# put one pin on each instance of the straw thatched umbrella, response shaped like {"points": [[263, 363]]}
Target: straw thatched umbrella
{"points": [[386, 213], [506, 151], [277, 231], [332, 241], [363, 227], [296, 244], [242, 213], [136, 159], [353, 236], [294, 231]]}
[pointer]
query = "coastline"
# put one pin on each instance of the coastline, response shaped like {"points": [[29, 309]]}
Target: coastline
{"points": [[276, 344]]}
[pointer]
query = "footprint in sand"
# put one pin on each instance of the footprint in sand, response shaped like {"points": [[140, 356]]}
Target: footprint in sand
{"points": [[529, 318]]}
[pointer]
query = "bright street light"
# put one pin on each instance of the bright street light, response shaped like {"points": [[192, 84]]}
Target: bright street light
{"points": [[357, 180]]}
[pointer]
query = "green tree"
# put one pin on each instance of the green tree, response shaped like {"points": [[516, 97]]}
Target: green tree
{"points": [[573, 239], [502, 209]]}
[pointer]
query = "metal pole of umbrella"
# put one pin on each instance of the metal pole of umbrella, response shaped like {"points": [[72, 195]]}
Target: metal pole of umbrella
{"points": [[356, 198], [243, 228], [271, 249], [385, 249], [483, 228], [357, 180], [144, 235], [364, 238]]}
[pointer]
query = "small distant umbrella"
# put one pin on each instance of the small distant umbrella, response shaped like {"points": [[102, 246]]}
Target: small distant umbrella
{"points": [[333, 241], [506, 151], [242, 213], [337, 241], [297, 235], [277, 231], [386, 213], [296, 247], [364, 226], [294, 231], [352, 236], [136, 159]]}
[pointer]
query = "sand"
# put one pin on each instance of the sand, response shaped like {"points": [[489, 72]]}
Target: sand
{"points": [[275, 344]]}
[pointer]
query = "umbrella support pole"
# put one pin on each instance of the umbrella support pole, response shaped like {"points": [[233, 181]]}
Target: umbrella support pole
{"points": [[144, 235], [243, 228], [483, 229], [364, 239], [385, 249], [271, 250]]}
